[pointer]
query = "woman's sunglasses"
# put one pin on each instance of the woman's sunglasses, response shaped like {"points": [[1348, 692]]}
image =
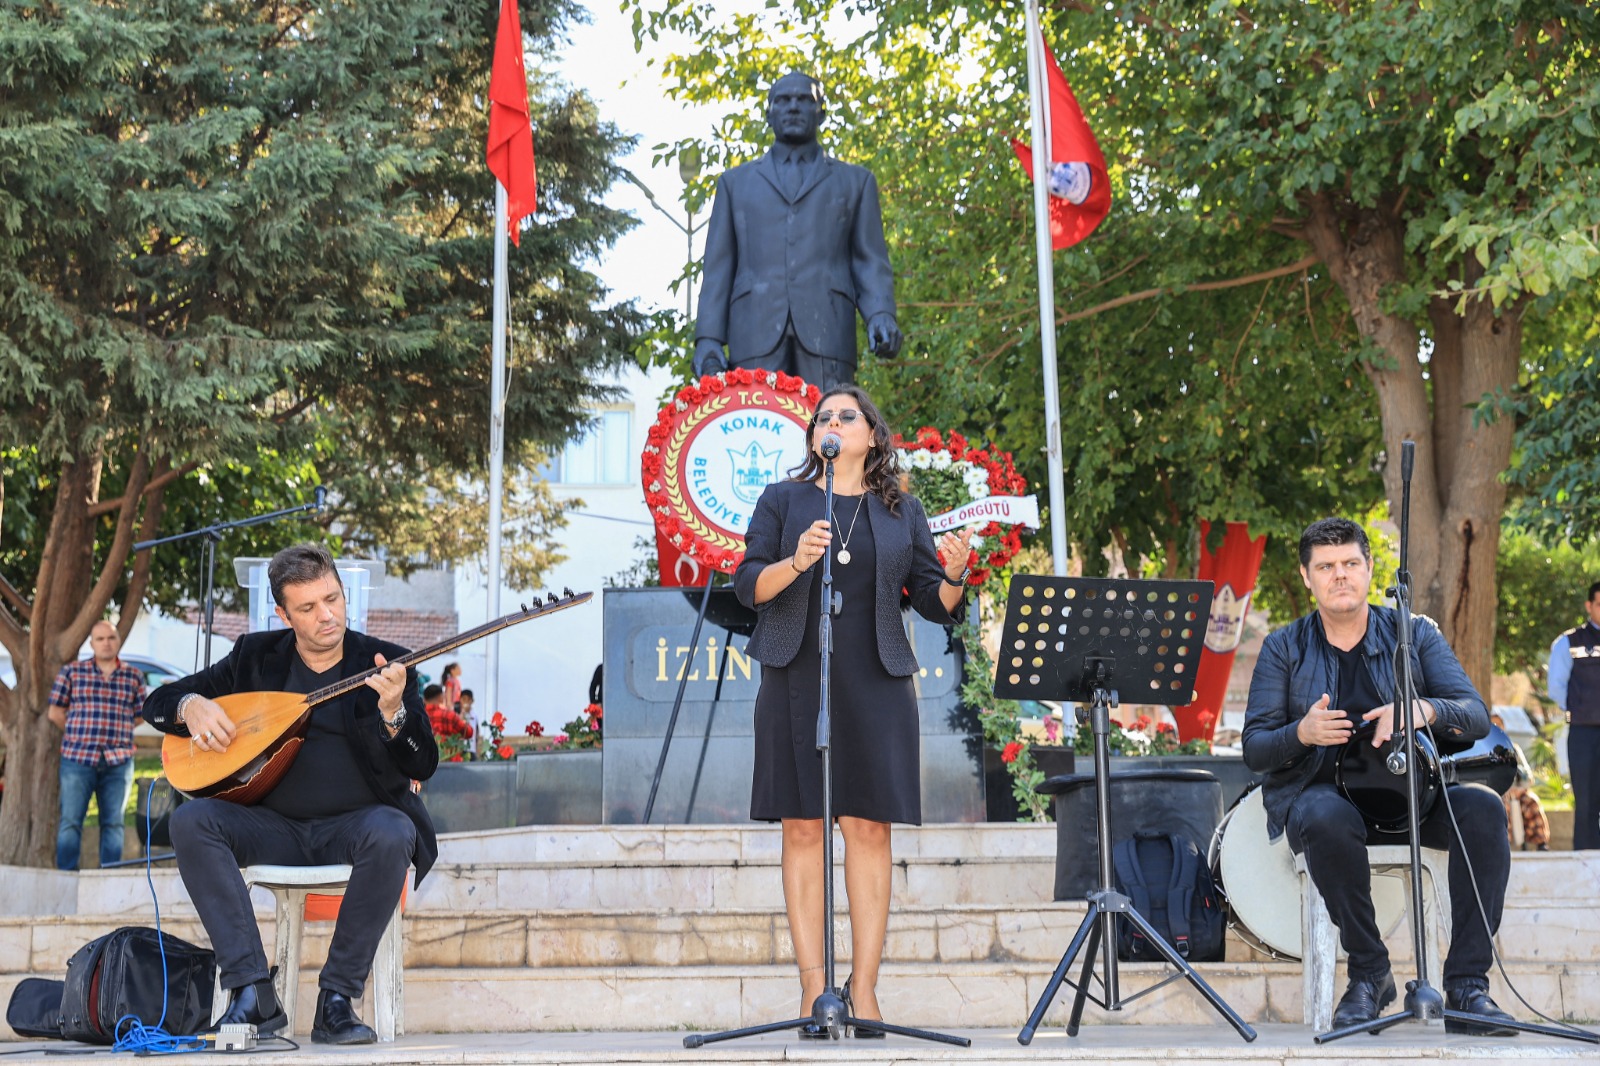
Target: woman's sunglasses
{"points": [[846, 417]]}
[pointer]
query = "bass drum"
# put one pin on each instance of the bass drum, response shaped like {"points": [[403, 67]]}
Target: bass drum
{"points": [[1257, 878]]}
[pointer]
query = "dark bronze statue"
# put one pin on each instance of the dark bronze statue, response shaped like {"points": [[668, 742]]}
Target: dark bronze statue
{"points": [[794, 249]]}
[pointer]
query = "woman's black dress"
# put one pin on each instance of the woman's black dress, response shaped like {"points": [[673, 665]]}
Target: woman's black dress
{"points": [[876, 735]]}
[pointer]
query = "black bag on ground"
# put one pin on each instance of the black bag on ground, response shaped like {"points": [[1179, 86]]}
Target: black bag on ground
{"points": [[1170, 884], [120, 975]]}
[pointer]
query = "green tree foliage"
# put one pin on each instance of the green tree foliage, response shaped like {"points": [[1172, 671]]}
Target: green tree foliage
{"points": [[1542, 591], [244, 249], [1331, 223]]}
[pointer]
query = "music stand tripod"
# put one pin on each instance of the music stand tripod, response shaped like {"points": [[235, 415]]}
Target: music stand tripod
{"points": [[1423, 1002], [1076, 639], [827, 1010]]}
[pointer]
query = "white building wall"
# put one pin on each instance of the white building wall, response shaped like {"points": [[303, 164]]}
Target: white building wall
{"points": [[546, 664]]}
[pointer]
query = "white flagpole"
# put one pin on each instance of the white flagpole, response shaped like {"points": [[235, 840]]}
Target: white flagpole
{"points": [[497, 436], [1039, 101]]}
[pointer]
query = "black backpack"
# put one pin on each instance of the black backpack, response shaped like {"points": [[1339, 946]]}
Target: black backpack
{"points": [[113, 979], [1168, 882]]}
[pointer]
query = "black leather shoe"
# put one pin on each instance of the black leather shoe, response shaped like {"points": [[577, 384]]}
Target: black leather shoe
{"points": [[337, 1022], [1364, 1000], [1476, 1001], [255, 1004]]}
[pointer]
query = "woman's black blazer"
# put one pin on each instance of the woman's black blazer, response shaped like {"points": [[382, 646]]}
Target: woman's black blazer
{"points": [[906, 560]]}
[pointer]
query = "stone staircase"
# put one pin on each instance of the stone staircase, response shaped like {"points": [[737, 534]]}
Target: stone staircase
{"points": [[668, 927]]}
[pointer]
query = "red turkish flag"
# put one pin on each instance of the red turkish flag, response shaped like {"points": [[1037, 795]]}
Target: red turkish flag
{"points": [[1080, 189], [510, 128]]}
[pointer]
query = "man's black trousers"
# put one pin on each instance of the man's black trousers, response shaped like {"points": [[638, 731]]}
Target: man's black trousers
{"points": [[1327, 829], [215, 838]]}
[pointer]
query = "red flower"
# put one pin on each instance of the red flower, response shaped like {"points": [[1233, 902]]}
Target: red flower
{"points": [[594, 711], [714, 384], [1142, 722], [498, 721], [813, 393], [1205, 718], [1165, 727], [534, 729], [505, 751], [1012, 750], [455, 758]]}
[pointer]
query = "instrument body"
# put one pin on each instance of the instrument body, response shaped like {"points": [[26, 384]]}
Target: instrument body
{"points": [[1380, 796], [271, 725]]}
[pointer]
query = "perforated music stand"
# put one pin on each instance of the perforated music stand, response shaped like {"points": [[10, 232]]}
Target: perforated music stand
{"points": [[1084, 639]]}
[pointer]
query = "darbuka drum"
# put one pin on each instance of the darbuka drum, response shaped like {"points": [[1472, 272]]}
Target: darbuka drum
{"points": [[1257, 878]]}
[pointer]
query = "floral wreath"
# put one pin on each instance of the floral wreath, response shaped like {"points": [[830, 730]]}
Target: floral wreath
{"points": [[945, 472], [669, 435]]}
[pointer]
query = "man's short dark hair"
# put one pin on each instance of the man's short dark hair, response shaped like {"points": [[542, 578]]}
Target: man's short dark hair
{"points": [[1332, 533], [432, 692], [1594, 590], [298, 565], [466, 694]]}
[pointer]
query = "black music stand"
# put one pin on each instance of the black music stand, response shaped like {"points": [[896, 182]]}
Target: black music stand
{"points": [[1084, 639]]}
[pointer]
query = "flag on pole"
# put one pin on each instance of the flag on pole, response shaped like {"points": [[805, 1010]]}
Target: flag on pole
{"points": [[1080, 190], [510, 128]]}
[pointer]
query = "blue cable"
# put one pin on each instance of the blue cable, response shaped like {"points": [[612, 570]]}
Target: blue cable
{"points": [[154, 1040]]}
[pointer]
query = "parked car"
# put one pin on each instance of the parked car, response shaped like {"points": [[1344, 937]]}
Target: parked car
{"points": [[156, 673]]}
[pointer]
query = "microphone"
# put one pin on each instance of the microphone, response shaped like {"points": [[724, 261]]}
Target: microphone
{"points": [[320, 498], [830, 446]]}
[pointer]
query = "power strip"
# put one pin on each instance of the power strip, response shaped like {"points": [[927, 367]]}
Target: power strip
{"points": [[235, 1037]]}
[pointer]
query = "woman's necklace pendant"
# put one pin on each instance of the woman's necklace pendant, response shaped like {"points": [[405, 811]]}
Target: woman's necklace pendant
{"points": [[844, 556]]}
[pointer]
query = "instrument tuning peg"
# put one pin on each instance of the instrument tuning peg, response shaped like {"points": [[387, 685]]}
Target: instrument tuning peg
{"points": [[525, 608], [552, 598], [567, 593]]}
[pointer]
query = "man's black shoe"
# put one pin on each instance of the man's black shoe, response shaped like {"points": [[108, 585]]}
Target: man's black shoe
{"points": [[255, 1004], [1476, 1001], [337, 1022], [1364, 1000]]}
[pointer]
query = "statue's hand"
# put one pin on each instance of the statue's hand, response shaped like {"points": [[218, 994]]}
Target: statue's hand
{"points": [[884, 336], [708, 357]]}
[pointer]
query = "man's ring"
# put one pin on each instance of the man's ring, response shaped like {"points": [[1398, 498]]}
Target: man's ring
{"points": [[207, 734]]}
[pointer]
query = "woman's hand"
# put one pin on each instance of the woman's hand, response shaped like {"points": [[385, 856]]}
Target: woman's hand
{"points": [[813, 543], [954, 548]]}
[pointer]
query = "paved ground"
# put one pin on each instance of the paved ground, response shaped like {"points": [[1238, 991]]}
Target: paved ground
{"points": [[1277, 1044]]}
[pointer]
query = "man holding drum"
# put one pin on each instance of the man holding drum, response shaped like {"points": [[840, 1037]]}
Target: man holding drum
{"points": [[1317, 680]]}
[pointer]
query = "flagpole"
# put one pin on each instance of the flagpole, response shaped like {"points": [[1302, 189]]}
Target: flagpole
{"points": [[497, 436], [1038, 97]]}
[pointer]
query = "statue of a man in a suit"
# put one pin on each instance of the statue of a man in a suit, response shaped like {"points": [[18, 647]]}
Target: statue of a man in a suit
{"points": [[794, 249]]}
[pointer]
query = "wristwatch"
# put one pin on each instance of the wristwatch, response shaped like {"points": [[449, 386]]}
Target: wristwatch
{"points": [[393, 724], [960, 582]]}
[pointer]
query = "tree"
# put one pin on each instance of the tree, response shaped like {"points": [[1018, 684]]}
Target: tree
{"points": [[1426, 174], [238, 235]]}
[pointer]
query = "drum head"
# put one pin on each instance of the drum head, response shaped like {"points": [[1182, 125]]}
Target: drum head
{"points": [[1258, 879]]}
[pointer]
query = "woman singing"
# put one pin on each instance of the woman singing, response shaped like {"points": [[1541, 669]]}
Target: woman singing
{"points": [[881, 544]]}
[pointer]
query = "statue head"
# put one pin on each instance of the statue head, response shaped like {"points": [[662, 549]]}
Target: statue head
{"points": [[794, 108]]}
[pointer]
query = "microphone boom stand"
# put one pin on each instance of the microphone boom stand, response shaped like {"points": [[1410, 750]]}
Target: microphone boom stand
{"points": [[213, 537], [827, 1010]]}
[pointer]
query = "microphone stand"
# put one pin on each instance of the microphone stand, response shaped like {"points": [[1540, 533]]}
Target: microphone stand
{"points": [[213, 537], [828, 1009], [1423, 1002]]}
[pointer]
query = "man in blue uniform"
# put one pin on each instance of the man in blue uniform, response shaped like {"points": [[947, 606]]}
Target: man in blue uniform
{"points": [[1575, 686]]}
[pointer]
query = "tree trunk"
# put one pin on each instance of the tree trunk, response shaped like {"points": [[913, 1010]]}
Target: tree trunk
{"points": [[33, 759], [1456, 494]]}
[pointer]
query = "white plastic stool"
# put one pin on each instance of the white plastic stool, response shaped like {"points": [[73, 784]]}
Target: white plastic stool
{"points": [[289, 886], [1320, 940]]}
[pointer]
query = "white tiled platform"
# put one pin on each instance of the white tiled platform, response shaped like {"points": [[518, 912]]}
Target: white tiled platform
{"points": [[1276, 1045]]}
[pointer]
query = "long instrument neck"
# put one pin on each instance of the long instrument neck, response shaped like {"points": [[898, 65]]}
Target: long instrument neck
{"points": [[355, 681]]}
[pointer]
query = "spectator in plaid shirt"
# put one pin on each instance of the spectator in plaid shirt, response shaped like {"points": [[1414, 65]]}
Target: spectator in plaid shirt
{"points": [[95, 702], [445, 721]]}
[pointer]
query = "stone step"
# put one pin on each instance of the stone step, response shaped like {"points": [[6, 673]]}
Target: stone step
{"points": [[960, 996], [479, 937], [736, 871]]}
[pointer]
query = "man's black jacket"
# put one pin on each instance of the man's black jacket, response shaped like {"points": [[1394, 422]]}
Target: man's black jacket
{"points": [[260, 662], [1296, 667]]}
